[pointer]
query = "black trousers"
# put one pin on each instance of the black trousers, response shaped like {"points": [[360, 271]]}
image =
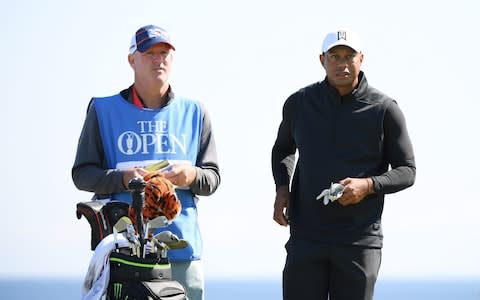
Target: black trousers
{"points": [[315, 271]]}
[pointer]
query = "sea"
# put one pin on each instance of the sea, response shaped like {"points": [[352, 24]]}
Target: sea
{"points": [[261, 289]]}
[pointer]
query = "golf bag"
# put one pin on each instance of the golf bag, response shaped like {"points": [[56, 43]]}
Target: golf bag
{"points": [[101, 215], [133, 275]]}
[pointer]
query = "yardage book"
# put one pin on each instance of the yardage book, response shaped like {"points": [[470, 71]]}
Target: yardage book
{"points": [[162, 165]]}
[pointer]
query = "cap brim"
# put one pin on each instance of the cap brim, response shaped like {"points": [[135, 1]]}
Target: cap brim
{"points": [[342, 43], [150, 43]]}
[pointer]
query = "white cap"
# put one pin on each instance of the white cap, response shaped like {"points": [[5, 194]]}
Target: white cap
{"points": [[342, 38]]}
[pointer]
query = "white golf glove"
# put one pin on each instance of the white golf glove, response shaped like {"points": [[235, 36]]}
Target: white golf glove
{"points": [[333, 193]]}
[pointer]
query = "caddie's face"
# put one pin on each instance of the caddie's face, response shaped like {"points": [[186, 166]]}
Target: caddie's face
{"points": [[154, 65], [342, 65]]}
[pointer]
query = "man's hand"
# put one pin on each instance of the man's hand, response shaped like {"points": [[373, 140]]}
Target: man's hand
{"points": [[181, 174], [131, 173], [356, 189], [280, 208]]}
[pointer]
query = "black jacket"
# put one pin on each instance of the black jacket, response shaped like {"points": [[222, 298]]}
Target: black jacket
{"points": [[362, 134]]}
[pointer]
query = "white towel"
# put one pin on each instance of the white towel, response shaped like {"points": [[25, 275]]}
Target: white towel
{"points": [[96, 281]]}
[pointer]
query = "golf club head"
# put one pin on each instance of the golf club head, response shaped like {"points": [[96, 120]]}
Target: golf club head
{"points": [[180, 244], [122, 223], [166, 237], [131, 236], [158, 222], [177, 245]]}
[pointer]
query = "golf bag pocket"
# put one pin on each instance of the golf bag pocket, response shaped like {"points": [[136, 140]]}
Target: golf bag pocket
{"points": [[137, 278], [124, 267], [101, 215], [146, 290]]}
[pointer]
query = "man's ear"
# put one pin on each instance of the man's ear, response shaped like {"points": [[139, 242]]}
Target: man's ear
{"points": [[131, 61], [322, 59]]}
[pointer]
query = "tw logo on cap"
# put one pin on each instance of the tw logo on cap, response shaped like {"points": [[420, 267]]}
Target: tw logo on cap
{"points": [[342, 35]]}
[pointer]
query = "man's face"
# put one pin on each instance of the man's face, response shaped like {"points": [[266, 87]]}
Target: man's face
{"points": [[342, 65], [154, 65]]}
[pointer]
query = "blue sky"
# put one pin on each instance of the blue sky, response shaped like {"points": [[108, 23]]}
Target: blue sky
{"points": [[242, 59]]}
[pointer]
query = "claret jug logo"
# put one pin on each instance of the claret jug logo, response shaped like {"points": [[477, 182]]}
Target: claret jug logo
{"points": [[151, 137]]}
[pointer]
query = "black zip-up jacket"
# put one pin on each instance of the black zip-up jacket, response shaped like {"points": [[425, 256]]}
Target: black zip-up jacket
{"points": [[362, 134]]}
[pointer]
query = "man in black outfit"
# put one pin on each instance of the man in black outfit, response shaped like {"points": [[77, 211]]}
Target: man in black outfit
{"points": [[349, 133]]}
